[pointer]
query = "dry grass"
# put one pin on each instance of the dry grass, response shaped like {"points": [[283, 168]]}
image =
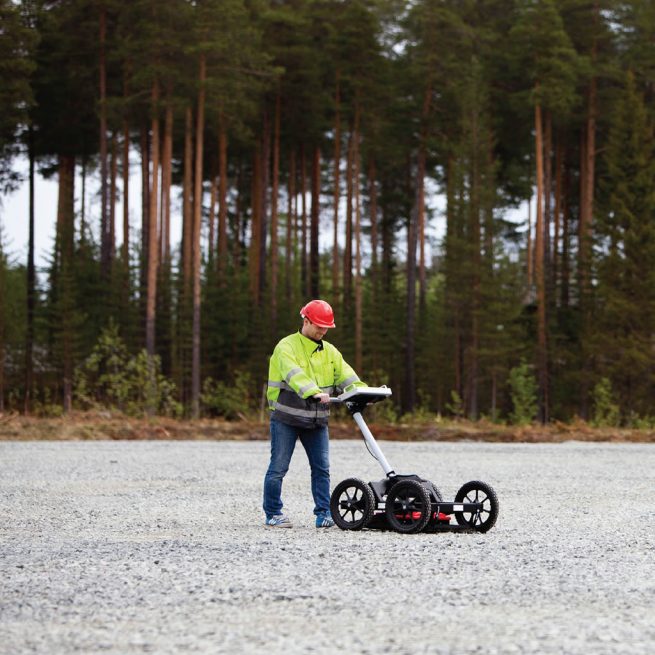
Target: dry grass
{"points": [[89, 426]]}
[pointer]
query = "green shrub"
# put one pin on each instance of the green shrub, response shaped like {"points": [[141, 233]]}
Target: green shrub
{"points": [[228, 399], [143, 396], [111, 378], [523, 391], [606, 411], [43, 405], [641, 422], [384, 412], [456, 405], [101, 380]]}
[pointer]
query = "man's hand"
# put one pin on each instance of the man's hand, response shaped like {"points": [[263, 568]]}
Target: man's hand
{"points": [[322, 397]]}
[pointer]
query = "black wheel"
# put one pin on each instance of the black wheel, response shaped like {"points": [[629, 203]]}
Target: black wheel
{"points": [[478, 492], [408, 506], [435, 490], [438, 497], [352, 504]]}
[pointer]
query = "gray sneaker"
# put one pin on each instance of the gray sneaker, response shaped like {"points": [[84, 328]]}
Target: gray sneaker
{"points": [[278, 521]]}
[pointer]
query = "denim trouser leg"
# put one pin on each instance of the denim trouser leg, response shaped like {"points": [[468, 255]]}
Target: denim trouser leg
{"points": [[283, 441], [317, 446]]}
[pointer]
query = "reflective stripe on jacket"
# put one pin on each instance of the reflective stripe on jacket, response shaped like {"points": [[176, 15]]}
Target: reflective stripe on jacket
{"points": [[299, 369]]}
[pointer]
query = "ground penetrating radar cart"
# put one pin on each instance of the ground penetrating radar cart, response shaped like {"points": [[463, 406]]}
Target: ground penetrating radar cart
{"points": [[401, 502]]}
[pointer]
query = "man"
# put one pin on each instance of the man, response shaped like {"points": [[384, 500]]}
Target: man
{"points": [[304, 372]]}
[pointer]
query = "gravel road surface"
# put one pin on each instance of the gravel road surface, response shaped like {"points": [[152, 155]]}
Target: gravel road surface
{"points": [[159, 547]]}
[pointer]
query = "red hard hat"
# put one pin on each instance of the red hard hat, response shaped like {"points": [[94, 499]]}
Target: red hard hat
{"points": [[319, 313]]}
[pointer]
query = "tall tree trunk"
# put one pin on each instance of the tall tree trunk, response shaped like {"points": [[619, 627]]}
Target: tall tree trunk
{"points": [[151, 289], [256, 226], [587, 174], [542, 353], [126, 195], [590, 171], [374, 356], [529, 250], [211, 237], [303, 228], [373, 206], [165, 335], [145, 218], [566, 272], [548, 186], [313, 246], [373, 199], [184, 315], [266, 157], [348, 240], [187, 198], [31, 283], [555, 256], [66, 241], [239, 231], [336, 196], [420, 190], [104, 227], [451, 257], [166, 179], [459, 280], [238, 245], [3, 293], [358, 248], [588, 154], [125, 276], [197, 218], [222, 201], [66, 209], [125, 253], [420, 199], [387, 239], [488, 208], [476, 272], [421, 229], [292, 233], [409, 391], [274, 220], [113, 174], [582, 203], [83, 203]]}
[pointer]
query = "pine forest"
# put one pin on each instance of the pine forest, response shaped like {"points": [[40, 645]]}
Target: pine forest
{"points": [[469, 183]]}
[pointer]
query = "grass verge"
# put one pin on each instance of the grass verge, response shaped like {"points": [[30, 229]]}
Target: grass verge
{"points": [[91, 426]]}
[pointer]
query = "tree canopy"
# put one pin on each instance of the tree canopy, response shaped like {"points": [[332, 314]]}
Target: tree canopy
{"points": [[469, 184]]}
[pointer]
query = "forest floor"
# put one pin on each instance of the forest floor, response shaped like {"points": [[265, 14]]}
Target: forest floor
{"points": [[103, 425]]}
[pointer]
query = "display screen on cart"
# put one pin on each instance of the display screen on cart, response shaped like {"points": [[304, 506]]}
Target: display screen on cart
{"points": [[372, 393]]}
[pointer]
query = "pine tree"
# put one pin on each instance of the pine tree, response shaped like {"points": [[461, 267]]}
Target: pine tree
{"points": [[3, 321], [17, 42], [13, 294], [635, 23], [544, 51], [625, 317]]}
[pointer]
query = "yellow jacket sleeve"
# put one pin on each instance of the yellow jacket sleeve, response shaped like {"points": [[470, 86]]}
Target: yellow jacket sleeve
{"points": [[344, 374]]}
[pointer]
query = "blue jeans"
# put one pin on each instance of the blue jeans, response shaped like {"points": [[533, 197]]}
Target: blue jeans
{"points": [[317, 446]]}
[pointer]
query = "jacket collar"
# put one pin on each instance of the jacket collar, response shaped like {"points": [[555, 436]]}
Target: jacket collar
{"points": [[310, 345]]}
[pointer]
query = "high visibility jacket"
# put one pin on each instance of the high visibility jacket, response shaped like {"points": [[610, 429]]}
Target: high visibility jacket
{"points": [[299, 369]]}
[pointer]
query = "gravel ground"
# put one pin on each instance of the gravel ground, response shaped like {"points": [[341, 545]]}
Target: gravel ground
{"points": [[139, 547]]}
